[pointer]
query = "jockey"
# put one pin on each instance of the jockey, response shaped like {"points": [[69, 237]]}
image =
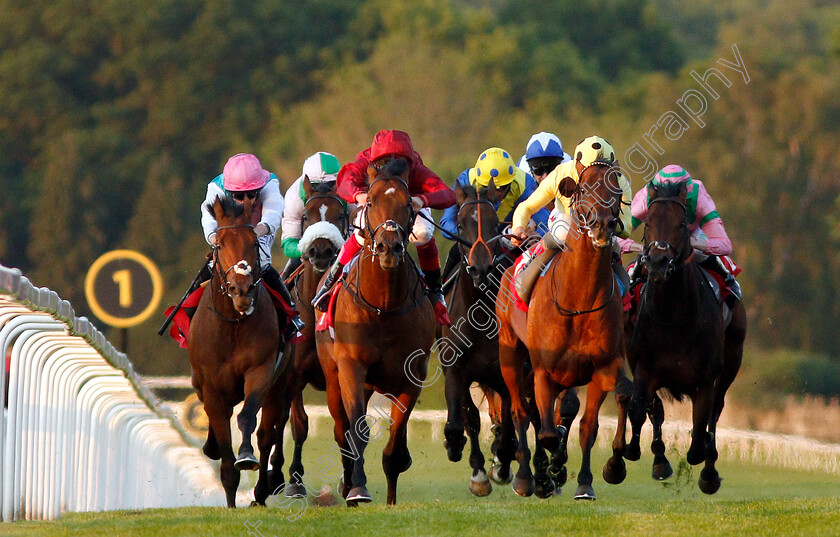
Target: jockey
{"points": [[708, 236], [543, 153], [427, 191], [320, 168], [243, 176], [514, 186], [590, 151]]}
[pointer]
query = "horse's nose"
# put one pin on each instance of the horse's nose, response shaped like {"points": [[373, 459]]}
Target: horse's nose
{"points": [[398, 249], [311, 253]]}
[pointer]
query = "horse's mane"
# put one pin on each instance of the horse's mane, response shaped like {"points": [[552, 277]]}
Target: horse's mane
{"points": [[668, 190], [323, 188], [394, 167], [230, 208]]}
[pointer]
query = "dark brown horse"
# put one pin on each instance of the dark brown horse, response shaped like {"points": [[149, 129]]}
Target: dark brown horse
{"points": [[680, 341], [233, 343], [573, 332], [325, 224], [469, 350], [384, 327]]}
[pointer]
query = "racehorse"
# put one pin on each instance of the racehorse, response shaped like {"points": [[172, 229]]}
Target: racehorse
{"points": [[475, 347], [384, 327], [680, 341], [234, 342], [573, 332], [325, 225]]}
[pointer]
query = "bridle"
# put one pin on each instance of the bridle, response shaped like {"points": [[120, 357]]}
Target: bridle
{"points": [[344, 226], [577, 200], [479, 241], [253, 290], [678, 259], [389, 225]]}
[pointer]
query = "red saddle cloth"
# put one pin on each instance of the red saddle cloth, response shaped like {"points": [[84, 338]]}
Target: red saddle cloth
{"points": [[180, 330], [327, 319], [520, 264], [631, 301]]}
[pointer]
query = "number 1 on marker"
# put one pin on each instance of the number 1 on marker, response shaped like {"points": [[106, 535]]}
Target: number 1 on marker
{"points": [[123, 280]]}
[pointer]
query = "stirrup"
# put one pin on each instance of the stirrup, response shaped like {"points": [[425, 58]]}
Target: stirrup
{"points": [[321, 301]]}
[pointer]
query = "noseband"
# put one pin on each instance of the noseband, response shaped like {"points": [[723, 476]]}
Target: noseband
{"points": [[677, 259], [238, 267], [388, 225]]}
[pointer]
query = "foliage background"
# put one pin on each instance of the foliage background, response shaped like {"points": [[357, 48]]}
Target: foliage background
{"points": [[115, 115]]}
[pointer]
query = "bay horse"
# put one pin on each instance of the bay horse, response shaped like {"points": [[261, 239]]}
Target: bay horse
{"points": [[233, 344], [679, 341], [325, 226], [475, 348], [384, 327], [573, 333]]}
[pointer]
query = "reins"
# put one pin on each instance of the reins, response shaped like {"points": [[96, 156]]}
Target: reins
{"points": [[253, 292]]}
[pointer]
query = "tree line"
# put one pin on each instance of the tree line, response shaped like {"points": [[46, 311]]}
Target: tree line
{"points": [[114, 116]]}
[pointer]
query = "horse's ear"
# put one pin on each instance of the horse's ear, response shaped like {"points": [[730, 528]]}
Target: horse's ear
{"points": [[307, 186], [566, 187], [216, 210], [492, 189], [372, 172], [652, 191], [460, 195], [682, 194]]}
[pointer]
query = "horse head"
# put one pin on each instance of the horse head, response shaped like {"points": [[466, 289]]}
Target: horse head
{"points": [[236, 256], [596, 201], [478, 225], [667, 239], [325, 224], [389, 215]]}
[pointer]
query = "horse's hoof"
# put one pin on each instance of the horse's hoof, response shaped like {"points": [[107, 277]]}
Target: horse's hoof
{"points": [[498, 478], [523, 487], [632, 452], [480, 485], [295, 490], [614, 471], [559, 476], [662, 471], [544, 488], [585, 492], [342, 488], [709, 481], [246, 461], [255, 503], [358, 494]]}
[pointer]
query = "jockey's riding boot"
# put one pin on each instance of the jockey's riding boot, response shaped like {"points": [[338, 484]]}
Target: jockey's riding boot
{"points": [[621, 273], [322, 298], [203, 275], [291, 265], [432, 278], [271, 277], [714, 263], [524, 283]]}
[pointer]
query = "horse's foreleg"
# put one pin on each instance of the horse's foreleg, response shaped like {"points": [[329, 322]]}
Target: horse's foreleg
{"points": [[219, 416], [453, 432], [257, 383], [661, 467], [614, 470], [543, 484], [588, 432], [396, 458], [636, 412], [340, 429], [512, 359], [505, 442], [545, 394], [351, 376], [701, 413], [703, 440], [266, 438], [300, 431], [564, 417], [479, 482]]}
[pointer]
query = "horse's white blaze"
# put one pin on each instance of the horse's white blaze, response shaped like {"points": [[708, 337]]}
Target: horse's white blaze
{"points": [[391, 190], [323, 210], [242, 268]]}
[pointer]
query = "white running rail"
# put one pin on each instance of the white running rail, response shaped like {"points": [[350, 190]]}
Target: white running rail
{"points": [[80, 431]]}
